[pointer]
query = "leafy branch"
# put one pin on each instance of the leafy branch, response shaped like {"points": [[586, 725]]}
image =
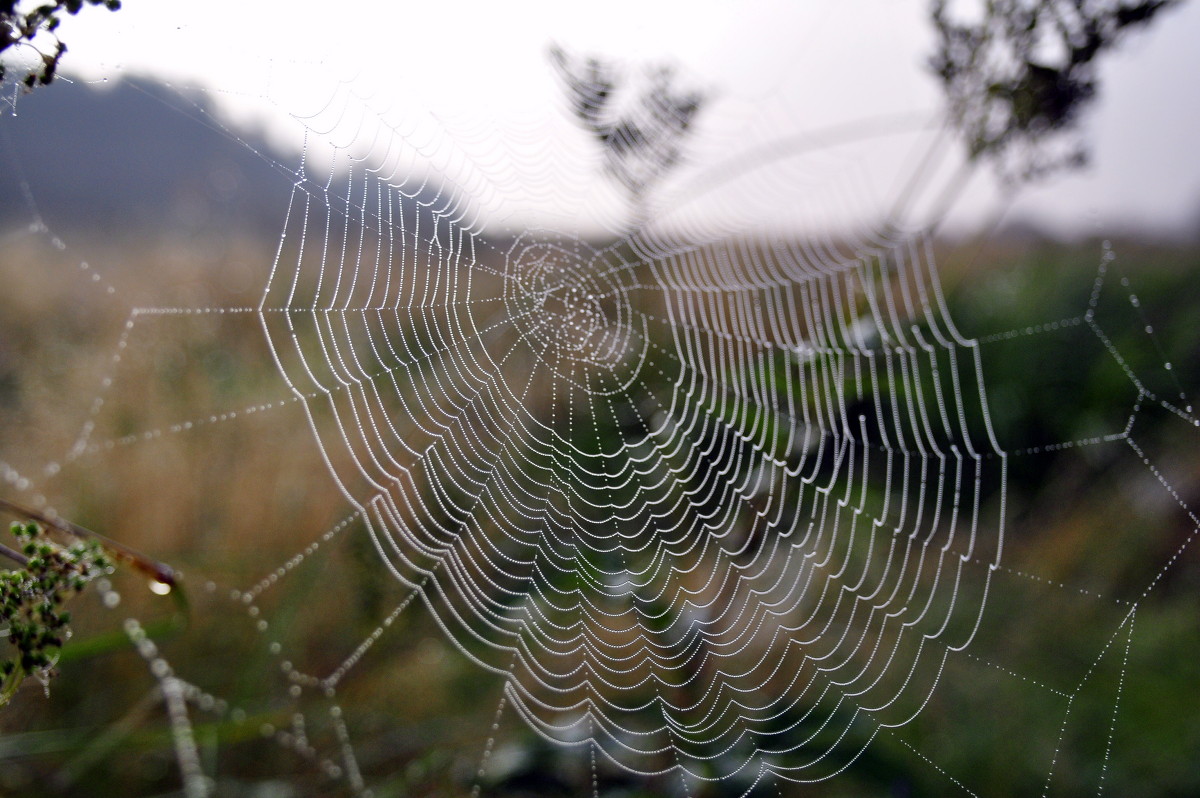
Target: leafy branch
{"points": [[640, 129], [1017, 76], [21, 27]]}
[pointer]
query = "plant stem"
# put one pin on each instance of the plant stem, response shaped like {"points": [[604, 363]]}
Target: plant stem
{"points": [[14, 555], [157, 571]]}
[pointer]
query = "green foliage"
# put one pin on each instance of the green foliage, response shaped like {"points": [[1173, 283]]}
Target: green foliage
{"points": [[32, 598], [19, 27]]}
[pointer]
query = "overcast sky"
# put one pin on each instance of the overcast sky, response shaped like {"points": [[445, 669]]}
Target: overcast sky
{"points": [[772, 69]]}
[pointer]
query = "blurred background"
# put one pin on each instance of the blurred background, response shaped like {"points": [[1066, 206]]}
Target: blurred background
{"points": [[143, 198]]}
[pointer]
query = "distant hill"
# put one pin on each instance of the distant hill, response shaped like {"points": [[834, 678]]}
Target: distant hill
{"points": [[138, 155]]}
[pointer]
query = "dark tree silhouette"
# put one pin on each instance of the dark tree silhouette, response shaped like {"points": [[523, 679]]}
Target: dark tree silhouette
{"points": [[21, 27], [1017, 75], [640, 128]]}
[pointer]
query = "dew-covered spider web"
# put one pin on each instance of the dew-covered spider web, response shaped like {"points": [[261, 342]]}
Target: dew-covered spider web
{"points": [[654, 423], [701, 502]]}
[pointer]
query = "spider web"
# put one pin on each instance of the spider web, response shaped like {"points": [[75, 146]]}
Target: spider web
{"points": [[701, 502], [718, 504]]}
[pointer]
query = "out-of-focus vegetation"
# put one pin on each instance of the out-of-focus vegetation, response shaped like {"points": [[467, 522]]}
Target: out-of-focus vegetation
{"points": [[1018, 73], [28, 27], [198, 457], [641, 140]]}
